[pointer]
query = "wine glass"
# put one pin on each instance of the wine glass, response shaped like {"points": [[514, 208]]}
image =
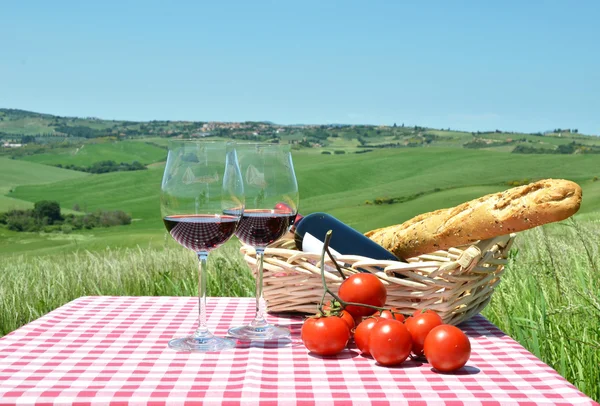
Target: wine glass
{"points": [[271, 194], [202, 200]]}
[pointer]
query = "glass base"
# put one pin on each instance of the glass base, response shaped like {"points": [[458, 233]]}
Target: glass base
{"points": [[259, 333], [196, 344]]}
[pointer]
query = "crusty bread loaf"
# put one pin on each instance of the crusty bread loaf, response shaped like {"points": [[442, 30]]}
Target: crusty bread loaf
{"points": [[513, 210]]}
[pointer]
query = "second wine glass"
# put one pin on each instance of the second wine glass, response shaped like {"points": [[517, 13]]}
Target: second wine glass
{"points": [[271, 195]]}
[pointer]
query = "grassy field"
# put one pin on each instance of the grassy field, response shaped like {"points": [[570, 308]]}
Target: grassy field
{"points": [[87, 154], [30, 286], [339, 184], [35, 124], [15, 172], [549, 299]]}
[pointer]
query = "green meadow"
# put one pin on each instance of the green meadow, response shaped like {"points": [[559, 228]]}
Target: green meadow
{"points": [[346, 186], [14, 173], [86, 153], [549, 299]]}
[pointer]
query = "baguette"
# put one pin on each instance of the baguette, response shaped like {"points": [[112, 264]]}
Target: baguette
{"points": [[513, 210]]}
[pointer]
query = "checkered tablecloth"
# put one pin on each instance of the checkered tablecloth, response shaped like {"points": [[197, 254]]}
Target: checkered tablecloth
{"points": [[113, 350]]}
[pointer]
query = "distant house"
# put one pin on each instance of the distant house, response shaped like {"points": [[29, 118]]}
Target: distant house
{"points": [[9, 145]]}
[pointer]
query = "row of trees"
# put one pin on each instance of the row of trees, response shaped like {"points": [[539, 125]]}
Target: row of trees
{"points": [[569, 148], [46, 216], [80, 131], [105, 167]]}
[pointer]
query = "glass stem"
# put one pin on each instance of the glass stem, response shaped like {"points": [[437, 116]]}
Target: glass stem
{"points": [[202, 330], [259, 318]]}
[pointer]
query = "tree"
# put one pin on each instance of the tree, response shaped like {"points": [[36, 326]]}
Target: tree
{"points": [[47, 209], [27, 139]]}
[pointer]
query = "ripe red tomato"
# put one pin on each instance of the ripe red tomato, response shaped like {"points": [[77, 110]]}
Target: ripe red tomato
{"points": [[337, 311], [391, 314], [282, 206], [419, 326], [363, 288], [362, 333], [347, 317], [325, 335], [286, 208], [447, 348], [390, 342], [421, 311]]}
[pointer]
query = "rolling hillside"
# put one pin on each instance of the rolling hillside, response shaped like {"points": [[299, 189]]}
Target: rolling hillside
{"points": [[346, 186], [15, 172], [46, 129], [348, 171], [85, 154]]}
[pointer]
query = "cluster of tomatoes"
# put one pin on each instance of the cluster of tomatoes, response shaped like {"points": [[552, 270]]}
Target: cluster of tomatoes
{"points": [[383, 334]]}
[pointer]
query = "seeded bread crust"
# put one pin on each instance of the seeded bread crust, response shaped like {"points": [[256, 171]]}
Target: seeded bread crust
{"points": [[513, 210]]}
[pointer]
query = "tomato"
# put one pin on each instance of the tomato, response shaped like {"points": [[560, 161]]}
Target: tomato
{"points": [[421, 311], [325, 335], [328, 306], [282, 206], [391, 314], [347, 317], [363, 288], [447, 348], [336, 310], [361, 334], [286, 208], [419, 326], [390, 342]]}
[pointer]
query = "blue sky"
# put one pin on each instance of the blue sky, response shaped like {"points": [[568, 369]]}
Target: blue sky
{"points": [[472, 65]]}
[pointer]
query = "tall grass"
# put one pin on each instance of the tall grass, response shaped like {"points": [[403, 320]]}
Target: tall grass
{"points": [[32, 286], [549, 300]]}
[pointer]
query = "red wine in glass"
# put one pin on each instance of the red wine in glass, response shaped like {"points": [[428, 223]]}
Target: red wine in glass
{"points": [[271, 204], [201, 202], [261, 227], [200, 232]]}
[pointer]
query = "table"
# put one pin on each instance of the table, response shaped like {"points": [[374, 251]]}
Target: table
{"points": [[101, 350]]}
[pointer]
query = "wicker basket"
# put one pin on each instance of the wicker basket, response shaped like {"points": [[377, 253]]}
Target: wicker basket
{"points": [[457, 283]]}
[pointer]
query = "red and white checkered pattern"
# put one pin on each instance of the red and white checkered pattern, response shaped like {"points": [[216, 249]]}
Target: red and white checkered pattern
{"points": [[113, 350]]}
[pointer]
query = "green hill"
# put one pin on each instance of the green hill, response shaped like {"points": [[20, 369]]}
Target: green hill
{"points": [[86, 154], [343, 184], [346, 186], [352, 172], [45, 128], [14, 172]]}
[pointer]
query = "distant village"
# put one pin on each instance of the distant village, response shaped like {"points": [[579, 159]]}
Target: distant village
{"points": [[11, 145]]}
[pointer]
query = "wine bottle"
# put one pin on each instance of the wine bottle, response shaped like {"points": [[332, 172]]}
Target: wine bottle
{"points": [[311, 230]]}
